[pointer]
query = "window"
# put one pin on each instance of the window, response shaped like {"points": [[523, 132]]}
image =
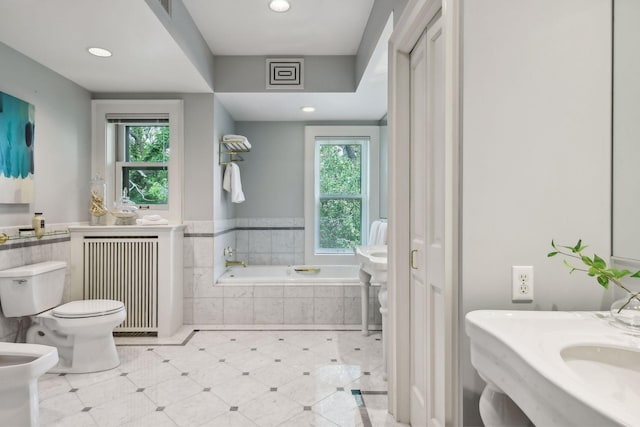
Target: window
{"points": [[142, 166], [137, 147], [341, 191]]}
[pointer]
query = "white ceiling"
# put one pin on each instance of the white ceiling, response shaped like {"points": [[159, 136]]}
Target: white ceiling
{"points": [[310, 27], [57, 34], [146, 58]]}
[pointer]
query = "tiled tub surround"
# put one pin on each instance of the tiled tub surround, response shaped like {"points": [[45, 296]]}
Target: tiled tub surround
{"points": [[199, 253], [224, 236], [290, 274], [270, 241], [256, 303], [310, 304], [17, 252], [284, 300]]}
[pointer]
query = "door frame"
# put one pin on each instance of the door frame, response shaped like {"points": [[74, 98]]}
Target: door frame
{"points": [[410, 26]]}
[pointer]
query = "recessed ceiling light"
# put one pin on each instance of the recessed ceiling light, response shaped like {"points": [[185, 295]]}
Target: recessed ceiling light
{"points": [[98, 51], [279, 5], [308, 109]]}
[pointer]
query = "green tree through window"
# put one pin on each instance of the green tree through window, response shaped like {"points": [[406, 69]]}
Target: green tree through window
{"points": [[145, 171], [341, 195]]}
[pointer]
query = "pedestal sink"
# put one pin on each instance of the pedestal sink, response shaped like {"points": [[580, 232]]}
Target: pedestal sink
{"points": [[560, 368], [373, 271]]}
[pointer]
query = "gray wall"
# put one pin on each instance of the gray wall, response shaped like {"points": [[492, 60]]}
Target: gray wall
{"points": [[377, 20], [273, 172], [62, 160], [185, 32], [223, 124], [199, 149], [536, 153], [223, 215], [62, 146], [321, 74]]}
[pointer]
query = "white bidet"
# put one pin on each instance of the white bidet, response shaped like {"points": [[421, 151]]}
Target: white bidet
{"points": [[20, 367]]}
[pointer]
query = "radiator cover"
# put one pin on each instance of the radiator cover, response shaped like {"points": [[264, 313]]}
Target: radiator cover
{"points": [[140, 266], [124, 269]]}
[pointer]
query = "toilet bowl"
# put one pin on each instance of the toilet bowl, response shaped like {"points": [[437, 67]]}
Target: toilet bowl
{"points": [[20, 367], [82, 331]]}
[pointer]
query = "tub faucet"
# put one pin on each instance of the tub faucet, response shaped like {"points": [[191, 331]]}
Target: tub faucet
{"points": [[228, 263]]}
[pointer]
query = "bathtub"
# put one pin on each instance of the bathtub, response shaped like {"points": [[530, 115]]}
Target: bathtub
{"points": [[280, 297], [291, 274]]}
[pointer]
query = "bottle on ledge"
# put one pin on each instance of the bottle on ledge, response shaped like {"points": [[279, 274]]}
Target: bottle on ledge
{"points": [[38, 224]]}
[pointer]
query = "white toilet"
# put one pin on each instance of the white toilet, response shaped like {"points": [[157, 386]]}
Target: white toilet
{"points": [[82, 331], [20, 367]]}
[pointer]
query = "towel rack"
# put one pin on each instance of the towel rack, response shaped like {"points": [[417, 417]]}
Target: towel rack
{"points": [[232, 148]]}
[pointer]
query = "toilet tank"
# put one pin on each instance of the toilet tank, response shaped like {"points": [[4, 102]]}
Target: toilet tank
{"points": [[31, 289]]}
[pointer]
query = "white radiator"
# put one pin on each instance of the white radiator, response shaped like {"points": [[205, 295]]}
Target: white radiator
{"points": [[124, 268]]}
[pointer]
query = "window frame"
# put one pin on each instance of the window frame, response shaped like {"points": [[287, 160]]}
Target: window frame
{"points": [[121, 153], [364, 142], [311, 190], [104, 147]]}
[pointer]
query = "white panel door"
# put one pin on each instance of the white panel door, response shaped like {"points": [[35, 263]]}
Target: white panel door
{"points": [[427, 222], [418, 234]]}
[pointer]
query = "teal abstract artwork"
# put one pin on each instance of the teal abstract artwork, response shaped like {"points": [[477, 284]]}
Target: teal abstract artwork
{"points": [[17, 126]]}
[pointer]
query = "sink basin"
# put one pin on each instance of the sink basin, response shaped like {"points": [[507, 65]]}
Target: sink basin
{"points": [[372, 257], [378, 255], [612, 371], [559, 368]]}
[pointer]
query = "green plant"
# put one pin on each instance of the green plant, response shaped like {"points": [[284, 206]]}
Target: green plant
{"points": [[596, 267], [340, 190]]}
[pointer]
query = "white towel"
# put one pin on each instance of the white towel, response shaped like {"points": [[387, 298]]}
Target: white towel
{"points": [[142, 221], [237, 138], [373, 232], [232, 183], [382, 234]]}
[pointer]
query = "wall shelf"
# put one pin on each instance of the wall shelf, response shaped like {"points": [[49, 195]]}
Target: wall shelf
{"points": [[5, 237], [229, 151]]}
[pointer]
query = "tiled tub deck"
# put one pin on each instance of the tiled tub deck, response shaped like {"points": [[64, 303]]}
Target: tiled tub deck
{"points": [[267, 295]]}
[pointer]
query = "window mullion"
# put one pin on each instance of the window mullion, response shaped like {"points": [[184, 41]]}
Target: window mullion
{"points": [[340, 196], [146, 165]]}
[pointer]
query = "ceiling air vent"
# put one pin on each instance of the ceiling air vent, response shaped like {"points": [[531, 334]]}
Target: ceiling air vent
{"points": [[285, 73]]}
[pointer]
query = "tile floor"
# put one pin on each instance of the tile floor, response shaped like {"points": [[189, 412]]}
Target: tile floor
{"points": [[229, 378]]}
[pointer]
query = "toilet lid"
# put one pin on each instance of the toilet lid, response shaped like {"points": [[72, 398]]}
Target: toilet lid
{"points": [[88, 308]]}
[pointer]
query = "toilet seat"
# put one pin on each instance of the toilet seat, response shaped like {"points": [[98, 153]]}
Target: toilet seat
{"points": [[87, 308]]}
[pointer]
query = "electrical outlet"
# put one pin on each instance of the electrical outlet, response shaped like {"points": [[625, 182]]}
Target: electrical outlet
{"points": [[522, 283]]}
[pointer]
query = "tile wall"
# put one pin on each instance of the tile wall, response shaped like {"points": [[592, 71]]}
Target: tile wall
{"points": [[258, 241], [270, 241], [203, 263], [291, 304]]}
